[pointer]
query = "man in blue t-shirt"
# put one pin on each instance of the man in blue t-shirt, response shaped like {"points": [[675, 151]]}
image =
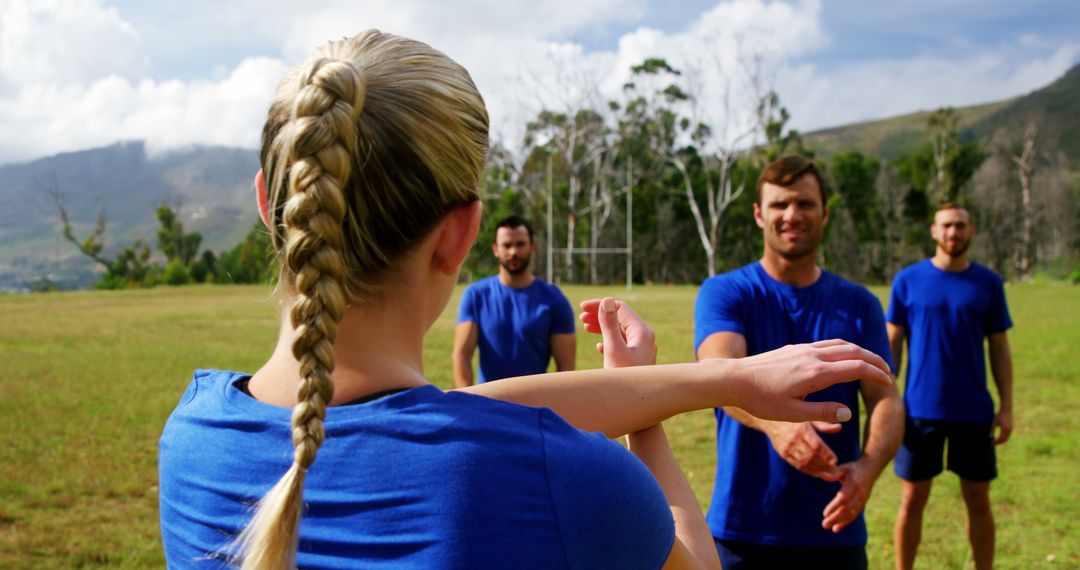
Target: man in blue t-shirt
{"points": [[945, 306], [787, 494], [519, 321]]}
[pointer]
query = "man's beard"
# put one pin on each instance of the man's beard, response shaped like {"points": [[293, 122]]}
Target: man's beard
{"points": [[806, 249], [521, 268], [955, 250], [799, 252]]}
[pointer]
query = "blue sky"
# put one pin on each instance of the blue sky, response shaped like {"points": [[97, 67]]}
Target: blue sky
{"points": [[77, 74], [861, 29]]}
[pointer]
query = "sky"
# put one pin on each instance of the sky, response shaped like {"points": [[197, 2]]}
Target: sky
{"points": [[79, 74]]}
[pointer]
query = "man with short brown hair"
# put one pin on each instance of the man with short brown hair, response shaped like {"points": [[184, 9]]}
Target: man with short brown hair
{"points": [[518, 321], [791, 495], [945, 306]]}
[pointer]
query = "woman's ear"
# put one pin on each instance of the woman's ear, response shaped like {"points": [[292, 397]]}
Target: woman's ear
{"points": [[457, 234], [260, 197]]}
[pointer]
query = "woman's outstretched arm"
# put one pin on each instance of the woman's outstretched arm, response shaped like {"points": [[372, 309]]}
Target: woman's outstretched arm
{"points": [[771, 385]]}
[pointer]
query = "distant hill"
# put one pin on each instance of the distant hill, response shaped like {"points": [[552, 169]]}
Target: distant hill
{"points": [[211, 187], [895, 136], [1056, 107]]}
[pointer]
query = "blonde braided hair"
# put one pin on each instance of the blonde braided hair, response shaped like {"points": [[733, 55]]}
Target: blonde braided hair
{"points": [[367, 146], [323, 141]]}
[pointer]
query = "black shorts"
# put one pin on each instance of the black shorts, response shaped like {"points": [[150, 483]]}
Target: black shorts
{"points": [[971, 450], [736, 555]]}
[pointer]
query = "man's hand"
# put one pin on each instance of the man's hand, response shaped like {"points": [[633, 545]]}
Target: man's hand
{"points": [[1002, 427], [801, 446], [628, 341], [856, 482]]}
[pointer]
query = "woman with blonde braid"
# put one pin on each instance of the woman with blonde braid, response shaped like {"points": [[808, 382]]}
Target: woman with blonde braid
{"points": [[371, 159]]}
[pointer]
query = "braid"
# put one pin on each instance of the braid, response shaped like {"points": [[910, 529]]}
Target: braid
{"points": [[320, 141]]}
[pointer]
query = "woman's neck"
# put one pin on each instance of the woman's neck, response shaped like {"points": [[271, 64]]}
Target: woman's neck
{"points": [[379, 347]]}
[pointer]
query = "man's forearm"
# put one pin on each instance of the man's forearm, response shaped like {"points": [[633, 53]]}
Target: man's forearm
{"points": [[884, 432], [463, 374], [564, 351], [897, 348], [1002, 370], [896, 345]]}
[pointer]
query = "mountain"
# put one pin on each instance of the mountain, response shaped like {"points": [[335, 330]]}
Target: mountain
{"points": [[1056, 108], [895, 136], [209, 186]]}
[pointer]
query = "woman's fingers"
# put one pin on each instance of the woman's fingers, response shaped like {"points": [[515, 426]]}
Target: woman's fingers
{"points": [[590, 305], [842, 350], [590, 315], [828, 342], [848, 370]]}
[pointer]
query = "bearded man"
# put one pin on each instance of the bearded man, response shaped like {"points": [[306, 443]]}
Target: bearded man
{"points": [[945, 307], [791, 495], [518, 320]]}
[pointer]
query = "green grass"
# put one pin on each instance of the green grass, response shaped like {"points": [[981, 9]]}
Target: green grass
{"points": [[87, 380]]}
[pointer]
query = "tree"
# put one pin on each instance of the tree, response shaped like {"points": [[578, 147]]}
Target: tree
{"points": [[1024, 204], [671, 118], [130, 268], [250, 261], [856, 226], [576, 142], [1025, 165], [722, 147], [175, 273], [171, 239], [953, 162], [650, 126], [940, 170], [773, 118], [890, 199]]}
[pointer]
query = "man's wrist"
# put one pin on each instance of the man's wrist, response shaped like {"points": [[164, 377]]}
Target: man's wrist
{"points": [[872, 465]]}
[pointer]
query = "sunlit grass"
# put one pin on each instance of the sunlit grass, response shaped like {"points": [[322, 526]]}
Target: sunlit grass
{"points": [[87, 380]]}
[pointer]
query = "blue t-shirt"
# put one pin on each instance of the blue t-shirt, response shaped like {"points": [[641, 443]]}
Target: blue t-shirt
{"points": [[758, 497], [947, 316], [418, 479], [515, 325]]}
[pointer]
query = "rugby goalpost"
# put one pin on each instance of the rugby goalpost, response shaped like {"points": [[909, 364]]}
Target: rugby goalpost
{"points": [[628, 250]]}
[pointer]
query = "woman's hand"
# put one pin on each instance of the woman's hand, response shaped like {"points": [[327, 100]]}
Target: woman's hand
{"points": [[628, 340], [773, 385]]}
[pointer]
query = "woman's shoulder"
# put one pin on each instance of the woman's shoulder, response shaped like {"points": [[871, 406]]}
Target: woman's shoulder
{"points": [[610, 509]]}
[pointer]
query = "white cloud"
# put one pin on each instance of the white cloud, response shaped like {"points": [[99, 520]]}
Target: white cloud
{"points": [[99, 88], [76, 78], [76, 74], [45, 119], [883, 88], [65, 41]]}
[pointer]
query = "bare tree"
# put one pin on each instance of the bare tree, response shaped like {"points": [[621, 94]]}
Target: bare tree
{"points": [[943, 124], [691, 137], [1025, 166], [573, 129], [891, 197]]}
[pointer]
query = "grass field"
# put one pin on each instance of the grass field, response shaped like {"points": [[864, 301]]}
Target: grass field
{"points": [[87, 380]]}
